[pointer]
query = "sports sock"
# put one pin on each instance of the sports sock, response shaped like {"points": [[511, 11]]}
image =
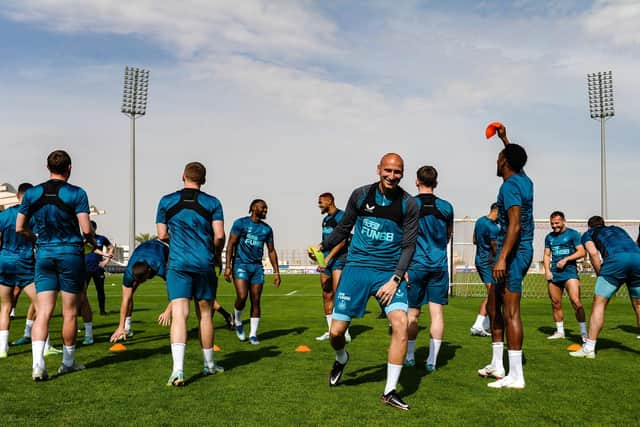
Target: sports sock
{"points": [[411, 350], [498, 350], [560, 327], [4, 340], [27, 328], [486, 324], [47, 344], [238, 316], [68, 353], [434, 349], [127, 323], [589, 345], [515, 364], [341, 356], [479, 322], [88, 329], [177, 353], [583, 328], [329, 318], [255, 321], [207, 354], [393, 374], [13, 313], [37, 351]]}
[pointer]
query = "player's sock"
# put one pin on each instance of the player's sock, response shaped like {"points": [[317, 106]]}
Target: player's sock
{"points": [[411, 350], [13, 313], [589, 345], [253, 331], [88, 329], [515, 364], [486, 324], [341, 356], [393, 374], [37, 351], [329, 318], [560, 327], [479, 324], [207, 354], [127, 323], [583, 328], [238, 316], [27, 328], [434, 349], [177, 353], [4, 340], [496, 360], [47, 344], [68, 354]]}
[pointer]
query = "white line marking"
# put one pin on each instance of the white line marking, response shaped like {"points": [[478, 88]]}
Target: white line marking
{"points": [[291, 293]]}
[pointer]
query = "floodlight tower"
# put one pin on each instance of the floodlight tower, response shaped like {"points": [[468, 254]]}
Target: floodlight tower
{"points": [[600, 87], [134, 105]]}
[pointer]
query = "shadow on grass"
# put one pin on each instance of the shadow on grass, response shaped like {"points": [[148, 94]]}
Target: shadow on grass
{"points": [[604, 343], [365, 375], [355, 330], [129, 355], [240, 358], [411, 377], [269, 335], [628, 328]]}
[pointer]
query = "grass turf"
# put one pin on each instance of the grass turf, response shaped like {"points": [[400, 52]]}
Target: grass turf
{"points": [[271, 384]]}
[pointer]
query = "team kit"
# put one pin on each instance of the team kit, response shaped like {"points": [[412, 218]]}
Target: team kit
{"points": [[385, 244]]}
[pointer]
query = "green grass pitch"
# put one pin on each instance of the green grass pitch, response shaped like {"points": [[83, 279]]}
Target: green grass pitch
{"points": [[271, 384]]}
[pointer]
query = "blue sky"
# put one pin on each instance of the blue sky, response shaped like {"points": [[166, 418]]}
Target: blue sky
{"points": [[285, 100]]}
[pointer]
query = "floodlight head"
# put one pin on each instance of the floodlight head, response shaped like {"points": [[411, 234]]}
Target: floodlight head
{"points": [[600, 90], [135, 92]]}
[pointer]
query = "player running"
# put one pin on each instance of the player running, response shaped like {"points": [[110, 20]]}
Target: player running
{"points": [[515, 252], [59, 215], [562, 248], [195, 222], [334, 259], [620, 264], [385, 222], [485, 234], [245, 249], [428, 276]]}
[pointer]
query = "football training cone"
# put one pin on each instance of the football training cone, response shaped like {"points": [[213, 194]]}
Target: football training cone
{"points": [[216, 348], [318, 255], [302, 349], [117, 347], [574, 347], [492, 128]]}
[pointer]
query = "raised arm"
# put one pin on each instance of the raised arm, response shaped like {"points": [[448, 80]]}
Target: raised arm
{"points": [[502, 134]]}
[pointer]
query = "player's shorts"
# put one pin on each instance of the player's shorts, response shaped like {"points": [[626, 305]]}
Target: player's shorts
{"points": [[357, 284], [60, 272], [336, 264], [252, 273], [561, 281], [427, 286], [16, 271], [189, 284], [485, 271], [517, 267], [616, 270]]}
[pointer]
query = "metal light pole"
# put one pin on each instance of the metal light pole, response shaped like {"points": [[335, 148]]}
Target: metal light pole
{"points": [[600, 87], [134, 104]]}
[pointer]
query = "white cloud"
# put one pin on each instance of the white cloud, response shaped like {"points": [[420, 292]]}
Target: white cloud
{"points": [[617, 21]]}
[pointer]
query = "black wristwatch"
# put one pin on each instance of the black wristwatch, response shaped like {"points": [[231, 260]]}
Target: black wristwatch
{"points": [[396, 278]]}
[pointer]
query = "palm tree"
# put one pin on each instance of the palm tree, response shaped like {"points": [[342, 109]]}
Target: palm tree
{"points": [[143, 237]]}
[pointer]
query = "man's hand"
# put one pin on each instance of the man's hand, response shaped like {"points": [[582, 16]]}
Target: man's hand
{"points": [[561, 264], [227, 275], [118, 335], [500, 269], [502, 134], [387, 291], [102, 264], [165, 318], [276, 280], [549, 276]]}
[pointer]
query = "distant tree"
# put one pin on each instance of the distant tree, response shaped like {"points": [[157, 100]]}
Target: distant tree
{"points": [[143, 237]]}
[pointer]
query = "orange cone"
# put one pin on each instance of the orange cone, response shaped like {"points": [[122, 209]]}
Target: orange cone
{"points": [[492, 128], [216, 348], [302, 349], [117, 347], [574, 347]]}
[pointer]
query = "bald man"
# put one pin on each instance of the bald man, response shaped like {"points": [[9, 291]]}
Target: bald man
{"points": [[385, 223]]}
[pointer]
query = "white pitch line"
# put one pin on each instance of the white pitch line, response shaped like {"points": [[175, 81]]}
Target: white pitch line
{"points": [[291, 293]]}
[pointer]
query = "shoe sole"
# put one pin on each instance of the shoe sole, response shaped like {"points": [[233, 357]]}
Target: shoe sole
{"points": [[389, 403], [491, 376]]}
